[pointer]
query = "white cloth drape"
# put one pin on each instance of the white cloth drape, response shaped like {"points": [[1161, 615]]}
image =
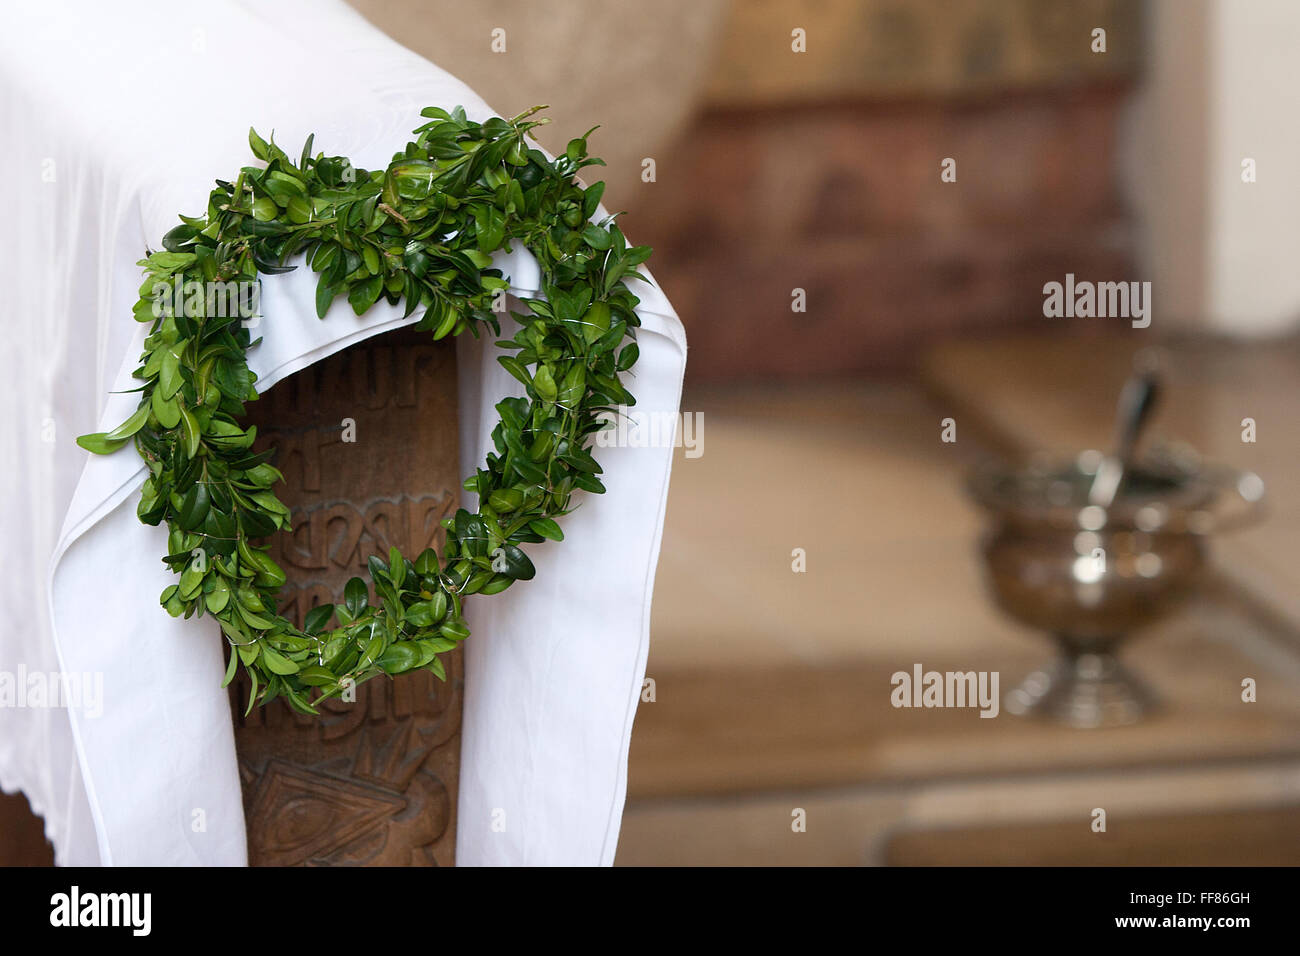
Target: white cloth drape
{"points": [[116, 117]]}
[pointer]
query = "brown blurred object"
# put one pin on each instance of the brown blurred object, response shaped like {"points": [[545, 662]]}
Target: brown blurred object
{"points": [[874, 48], [22, 835], [1258, 838], [821, 170]]}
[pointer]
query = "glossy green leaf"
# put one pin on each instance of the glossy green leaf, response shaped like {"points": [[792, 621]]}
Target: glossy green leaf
{"points": [[400, 657], [192, 435], [355, 596], [316, 619], [130, 426], [277, 663], [547, 528], [365, 293], [544, 383], [99, 443]]}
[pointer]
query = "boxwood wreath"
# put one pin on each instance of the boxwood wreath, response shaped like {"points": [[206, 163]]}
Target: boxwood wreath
{"points": [[420, 232]]}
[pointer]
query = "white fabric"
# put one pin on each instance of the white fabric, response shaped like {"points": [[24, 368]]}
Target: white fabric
{"points": [[116, 117]]}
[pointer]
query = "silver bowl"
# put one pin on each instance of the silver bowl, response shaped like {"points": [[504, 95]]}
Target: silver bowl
{"points": [[1090, 576]]}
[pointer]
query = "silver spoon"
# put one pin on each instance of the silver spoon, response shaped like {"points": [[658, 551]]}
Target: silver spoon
{"points": [[1136, 400]]}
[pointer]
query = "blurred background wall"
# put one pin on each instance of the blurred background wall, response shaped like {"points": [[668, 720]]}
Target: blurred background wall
{"points": [[1219, 79], [819, 170], [822, 166]]}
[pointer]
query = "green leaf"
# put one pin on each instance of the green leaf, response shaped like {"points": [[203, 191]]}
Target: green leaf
{"points": [[233, 377], [299, 210], [573, 388], [581, 460], [456, 630], [497, 584], [313, 675], [253, 619], [317, 618], [528, 471], [490, 224], [218, 597], [596, 321], [167, 411], [420, 614], [169, 374], [191, 433], [446, 325], [547, 528], [194, 508], [374, 647], [230, 668], [400, 657], [248, 651], [504, 500], [191, 581], [272, 576], [591, 199], [397, 566], [264, 475], [306, 151], [257, 145], [596, 237], [517, 565], [277, 663], [165, 263], [515, 368], [427, 562], [544, 383], [414, 179], [131, 425], [438, 606], [355, 596], [99, 443], [365, 293], [325, 293], [271, 503]]}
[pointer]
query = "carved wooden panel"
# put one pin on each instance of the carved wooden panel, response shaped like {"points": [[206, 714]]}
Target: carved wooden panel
{"points": [[367, 441]]}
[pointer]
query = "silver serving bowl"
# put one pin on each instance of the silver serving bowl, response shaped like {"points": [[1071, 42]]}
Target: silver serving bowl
{"points": [[1092, 576]]}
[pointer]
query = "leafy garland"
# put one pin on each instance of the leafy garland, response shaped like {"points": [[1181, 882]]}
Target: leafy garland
{"points": [[421, 232]]}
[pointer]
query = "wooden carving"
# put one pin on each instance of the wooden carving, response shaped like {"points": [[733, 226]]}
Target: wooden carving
{"points": [[367, 441]]}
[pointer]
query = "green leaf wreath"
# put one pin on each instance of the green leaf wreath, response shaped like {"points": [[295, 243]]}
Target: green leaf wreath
{"points": [[420, 232]]}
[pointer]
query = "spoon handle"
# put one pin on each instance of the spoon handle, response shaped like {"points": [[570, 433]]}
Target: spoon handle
{"points": [[1136, 401]]}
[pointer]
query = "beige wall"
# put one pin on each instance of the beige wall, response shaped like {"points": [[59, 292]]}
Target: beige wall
{"points": [[1221, 86], [1254, 109]]}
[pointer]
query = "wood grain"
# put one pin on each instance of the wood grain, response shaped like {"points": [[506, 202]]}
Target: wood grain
{"points": [[367, 441]]}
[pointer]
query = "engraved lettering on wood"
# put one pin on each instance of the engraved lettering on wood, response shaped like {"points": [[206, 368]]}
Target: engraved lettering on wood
{"points": [[371, 782]]}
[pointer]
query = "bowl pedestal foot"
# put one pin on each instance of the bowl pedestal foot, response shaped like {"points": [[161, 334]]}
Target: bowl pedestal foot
{"points": [[1086, 686]]}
